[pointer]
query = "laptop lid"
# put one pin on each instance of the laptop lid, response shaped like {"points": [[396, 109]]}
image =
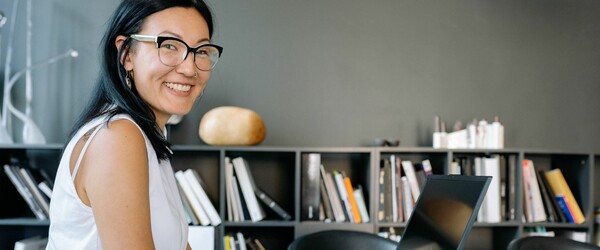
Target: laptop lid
{"points": [[445, 212]]}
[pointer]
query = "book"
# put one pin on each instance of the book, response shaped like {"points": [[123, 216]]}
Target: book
{"points": [[326, 202], [24, 192], [408, 200], [409, 170], [362, 206], [351, 199], [392, 187], [310, 187], [537, 206], [565, 208], [32, 185], [339, 181], [560, 188], [195, 181], [242, 209], [511, 183], [189, 213], [387, 188], [267, 200], [192, 199], [247, 186], [479, 170], [381, 196], [427, 167], [241, 241], [399, 190], [334, 197], [228, 169], [549, 207], [233, 205], [492, 199], [559, 215], [45, 188]]}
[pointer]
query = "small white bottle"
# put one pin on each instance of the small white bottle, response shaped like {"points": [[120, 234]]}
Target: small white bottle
{"points": [[496, 134], [472, 134], [481, 134]]}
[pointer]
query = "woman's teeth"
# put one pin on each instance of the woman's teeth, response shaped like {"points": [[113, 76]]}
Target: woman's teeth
{"points": [[178, 87]]}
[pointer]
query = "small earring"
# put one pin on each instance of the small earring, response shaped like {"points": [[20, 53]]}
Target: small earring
{"points": [[128, 79]]}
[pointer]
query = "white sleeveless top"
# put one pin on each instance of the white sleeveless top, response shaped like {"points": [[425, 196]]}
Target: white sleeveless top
{"points": [[72, 224]]}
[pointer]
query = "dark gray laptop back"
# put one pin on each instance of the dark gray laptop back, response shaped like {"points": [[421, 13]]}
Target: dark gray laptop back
{"points": [[445, 212]]}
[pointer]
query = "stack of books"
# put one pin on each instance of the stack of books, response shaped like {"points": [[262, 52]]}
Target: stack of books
{"points": [[197, 205], [499, 203], [330, 196], [547, 196], [237, 241], [243, 196], [400, 184], [36, 194]]}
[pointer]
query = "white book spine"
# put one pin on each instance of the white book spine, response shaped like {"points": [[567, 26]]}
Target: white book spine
{"points": [[45, 189], [409, 169], [27, 196], [427, 167], [479, 171], [362, 207], [408, 200], [189, 194], [37, 195], [394, 190], [343, 194], [194, 180], [232, 204], [492, 168], [538, 205], [238, 199], [336, 203], [247, 187], [241, 240]]}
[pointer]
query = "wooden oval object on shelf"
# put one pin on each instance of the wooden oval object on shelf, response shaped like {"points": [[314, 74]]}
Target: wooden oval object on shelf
{"points": [[232, 126]]}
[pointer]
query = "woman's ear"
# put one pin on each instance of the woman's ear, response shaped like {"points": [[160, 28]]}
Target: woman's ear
{"points": [[125, 60]]}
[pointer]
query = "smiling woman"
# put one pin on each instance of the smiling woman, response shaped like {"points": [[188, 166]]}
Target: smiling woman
{"points": [[115, 187]]}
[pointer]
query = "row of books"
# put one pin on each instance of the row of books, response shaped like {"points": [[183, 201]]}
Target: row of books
{"points": [[242, 194], [329, 196], [198, 208], [400, 184], [238, 241], [36, 194], [547, 196], [500, 200]]}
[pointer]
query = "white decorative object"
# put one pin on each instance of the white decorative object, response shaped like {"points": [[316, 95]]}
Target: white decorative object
{"points": [[31, 133]]}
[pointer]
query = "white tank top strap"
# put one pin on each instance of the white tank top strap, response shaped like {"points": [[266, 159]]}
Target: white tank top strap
{"points": [[87, 143], [96, 128]]}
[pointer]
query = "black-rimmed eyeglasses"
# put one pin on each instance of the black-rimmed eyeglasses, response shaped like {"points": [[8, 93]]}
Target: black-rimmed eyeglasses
{"points": [[173, 51]]}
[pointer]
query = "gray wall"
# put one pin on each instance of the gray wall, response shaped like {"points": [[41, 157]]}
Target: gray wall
{"points": [[340, 73]]}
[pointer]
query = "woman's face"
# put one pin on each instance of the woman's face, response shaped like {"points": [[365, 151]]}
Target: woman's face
{"points": [[169, 90]]}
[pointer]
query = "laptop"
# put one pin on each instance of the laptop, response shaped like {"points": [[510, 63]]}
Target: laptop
{"points": [[445, 212]]}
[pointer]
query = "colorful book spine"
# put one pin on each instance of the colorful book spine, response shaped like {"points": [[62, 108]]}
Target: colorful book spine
{"points": [[562, 202], [559, 187], [352, 200]]}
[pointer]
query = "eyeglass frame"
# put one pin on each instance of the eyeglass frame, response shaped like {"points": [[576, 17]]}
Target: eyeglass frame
{"points": [[160, 39]]}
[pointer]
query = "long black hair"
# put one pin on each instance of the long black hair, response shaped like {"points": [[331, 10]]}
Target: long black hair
{"points": [[111, 95]]}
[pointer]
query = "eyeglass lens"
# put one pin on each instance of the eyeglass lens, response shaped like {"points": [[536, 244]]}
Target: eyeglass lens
{"points": [[173, 52]]}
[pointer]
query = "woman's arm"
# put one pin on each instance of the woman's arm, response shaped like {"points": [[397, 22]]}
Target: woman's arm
{"points": [[115, 180]]}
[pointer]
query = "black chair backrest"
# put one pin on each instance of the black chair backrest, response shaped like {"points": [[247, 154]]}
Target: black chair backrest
{"points": [[549, 243], [342, 239]]}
